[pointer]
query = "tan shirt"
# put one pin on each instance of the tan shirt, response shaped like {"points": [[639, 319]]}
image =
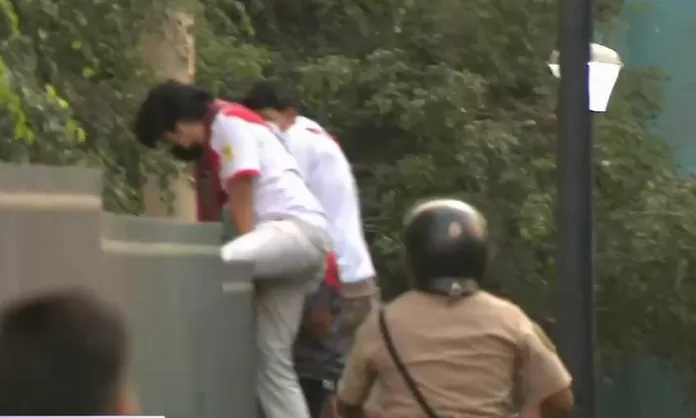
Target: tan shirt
{"points": [[470, 359]]}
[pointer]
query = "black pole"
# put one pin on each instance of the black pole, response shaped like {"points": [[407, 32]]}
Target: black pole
{"points": [[575, 258]]}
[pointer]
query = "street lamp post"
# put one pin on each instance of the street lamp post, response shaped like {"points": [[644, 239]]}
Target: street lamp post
{"points": [[589, 73]]}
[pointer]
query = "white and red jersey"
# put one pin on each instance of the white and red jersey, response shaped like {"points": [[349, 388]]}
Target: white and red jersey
{"points": [[329, 176], [244, 145]]}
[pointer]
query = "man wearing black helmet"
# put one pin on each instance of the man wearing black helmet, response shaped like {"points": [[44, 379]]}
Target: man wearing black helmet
{"points": [[447, 348]]}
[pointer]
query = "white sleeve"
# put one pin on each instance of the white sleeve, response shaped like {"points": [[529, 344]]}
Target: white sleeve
{"points": [[235, 141]]}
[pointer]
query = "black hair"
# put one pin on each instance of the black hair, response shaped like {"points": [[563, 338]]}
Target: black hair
{"points": [[61, 353], [270, 94], [165, 105]]}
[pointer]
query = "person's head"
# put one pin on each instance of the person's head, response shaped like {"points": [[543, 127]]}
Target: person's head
{"points": [[446, 246], [174, 113], [274, 101], [63, 353]]}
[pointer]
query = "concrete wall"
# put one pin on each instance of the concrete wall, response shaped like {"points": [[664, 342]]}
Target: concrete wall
{"points": [[190, 315]]}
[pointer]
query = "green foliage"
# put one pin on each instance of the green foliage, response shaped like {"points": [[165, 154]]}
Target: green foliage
{"points": [[70, 76], [24, 100], [225, 62], [69, 70]]}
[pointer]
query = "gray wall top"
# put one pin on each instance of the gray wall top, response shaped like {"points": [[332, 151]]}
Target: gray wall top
{"points": [[31, 178], [150, 230]]}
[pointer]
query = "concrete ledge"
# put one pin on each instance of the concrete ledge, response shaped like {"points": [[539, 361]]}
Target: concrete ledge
{"points": [[159, 230], [65, 180]]}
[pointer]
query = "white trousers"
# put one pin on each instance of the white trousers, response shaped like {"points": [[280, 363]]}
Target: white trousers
{"points": [[288, 258]]}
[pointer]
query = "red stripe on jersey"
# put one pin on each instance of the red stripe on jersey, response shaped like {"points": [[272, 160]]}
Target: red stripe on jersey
{"points": [[232, 109], [241, 112], [332, 278]]}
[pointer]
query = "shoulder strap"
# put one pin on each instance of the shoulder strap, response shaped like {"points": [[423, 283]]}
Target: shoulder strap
{"points": [[412, 386]]}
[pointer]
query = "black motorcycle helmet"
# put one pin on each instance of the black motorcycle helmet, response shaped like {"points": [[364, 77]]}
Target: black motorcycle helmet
{"points": [[446, 247]]}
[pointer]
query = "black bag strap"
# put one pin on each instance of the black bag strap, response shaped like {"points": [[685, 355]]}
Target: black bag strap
{"points": [[412, 386]]}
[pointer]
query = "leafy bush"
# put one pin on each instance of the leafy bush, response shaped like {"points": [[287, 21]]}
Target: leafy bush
{"points": [[72, 74]]}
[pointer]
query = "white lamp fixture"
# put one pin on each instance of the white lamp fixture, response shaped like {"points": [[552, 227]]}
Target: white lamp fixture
{"points": [[604, 66]]}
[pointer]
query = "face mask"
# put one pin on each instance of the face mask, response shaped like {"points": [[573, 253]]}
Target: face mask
{"points": [[193, 153]]}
